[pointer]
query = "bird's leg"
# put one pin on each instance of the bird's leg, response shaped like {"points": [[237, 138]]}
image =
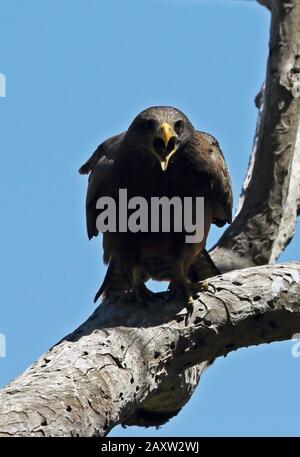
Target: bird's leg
{"points": [[139, 289], [180, 284]]}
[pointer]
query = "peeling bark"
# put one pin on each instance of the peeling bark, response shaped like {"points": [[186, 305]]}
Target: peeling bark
{"points": [[98, 376]]}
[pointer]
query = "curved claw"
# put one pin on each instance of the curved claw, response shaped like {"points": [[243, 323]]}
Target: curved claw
{"points": [[199, 286]]}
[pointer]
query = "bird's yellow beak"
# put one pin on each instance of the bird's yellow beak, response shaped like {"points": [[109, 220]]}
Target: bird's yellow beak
{"points": [[165, 132], [165, 149]]}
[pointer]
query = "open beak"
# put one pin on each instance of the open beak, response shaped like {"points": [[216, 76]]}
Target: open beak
{"points": [[164, 144], [165, 132]]}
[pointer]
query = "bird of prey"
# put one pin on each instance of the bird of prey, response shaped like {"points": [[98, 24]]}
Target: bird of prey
{"points": [[161, 154]]}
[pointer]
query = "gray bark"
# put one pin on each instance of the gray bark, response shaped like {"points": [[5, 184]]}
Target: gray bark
{"points": [[99, 375], [265, 222], [126, 365]]}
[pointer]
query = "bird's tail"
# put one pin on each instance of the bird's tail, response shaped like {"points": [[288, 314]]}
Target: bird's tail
{"points": [[203, 267], [114, 282]]}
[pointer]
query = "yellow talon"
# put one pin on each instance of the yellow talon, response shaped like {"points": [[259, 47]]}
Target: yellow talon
{"points": [[200, 286], [204, 285], [190, 300]]}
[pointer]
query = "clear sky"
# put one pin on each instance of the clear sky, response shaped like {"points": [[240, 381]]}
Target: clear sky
{"points": [[77, 72]]}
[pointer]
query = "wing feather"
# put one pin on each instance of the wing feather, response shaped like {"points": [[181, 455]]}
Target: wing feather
{"points": [[210, 160], [100, 183]]}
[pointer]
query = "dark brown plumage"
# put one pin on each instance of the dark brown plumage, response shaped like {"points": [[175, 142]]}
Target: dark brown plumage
{"points": [[161, 154]]}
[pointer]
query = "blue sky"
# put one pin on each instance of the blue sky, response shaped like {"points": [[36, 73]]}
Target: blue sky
{"points": [[77, 72]]}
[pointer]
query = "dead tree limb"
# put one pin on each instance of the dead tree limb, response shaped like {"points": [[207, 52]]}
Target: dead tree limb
{"points": [[265, 222], [127, 366], [98, 376]]}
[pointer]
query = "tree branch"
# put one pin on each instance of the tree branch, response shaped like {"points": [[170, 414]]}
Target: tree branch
{"points": [[98, 376], [270, 200], [127, 366], [297, 172], [266, 218]]}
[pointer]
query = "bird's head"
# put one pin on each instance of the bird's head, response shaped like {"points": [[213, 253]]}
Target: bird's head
{"points": [[161, 131]]}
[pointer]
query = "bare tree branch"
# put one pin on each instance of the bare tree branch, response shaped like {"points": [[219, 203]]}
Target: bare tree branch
{"points": [[270, 200], [266, 219], [127, 366], [297, 172], [99, 375]]}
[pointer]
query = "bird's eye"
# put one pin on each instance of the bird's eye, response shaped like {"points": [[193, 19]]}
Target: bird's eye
{"points": [[149, 125], [179, 126]]}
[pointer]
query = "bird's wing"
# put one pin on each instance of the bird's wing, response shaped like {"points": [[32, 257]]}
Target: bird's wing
{"points": [[100, 166], [106, 149], [211, 161]]}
